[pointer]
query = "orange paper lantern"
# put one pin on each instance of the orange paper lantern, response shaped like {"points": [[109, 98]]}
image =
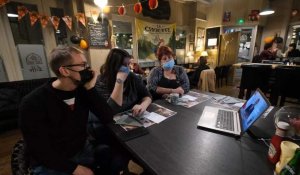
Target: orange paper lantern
{"points": [[83, 44], [153, 4], [268, 39], [138, 8], [121, 10]]}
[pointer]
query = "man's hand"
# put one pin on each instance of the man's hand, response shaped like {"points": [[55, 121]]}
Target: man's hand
{"points": [[82, 170], [138, 110], [92, 82]]}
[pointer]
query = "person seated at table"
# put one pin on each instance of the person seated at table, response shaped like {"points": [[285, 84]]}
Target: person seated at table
{"points": [[268, 53], [292, 51], [53, 119], [194, 76], [167, 78], [115, 78], [135, 67]]}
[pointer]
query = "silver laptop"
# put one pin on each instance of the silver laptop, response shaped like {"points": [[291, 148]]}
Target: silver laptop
{"points": [[235, 122]]}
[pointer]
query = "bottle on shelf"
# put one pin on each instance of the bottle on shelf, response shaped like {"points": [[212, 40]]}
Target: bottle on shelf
{"points": [[274, 148], [293, 166]]}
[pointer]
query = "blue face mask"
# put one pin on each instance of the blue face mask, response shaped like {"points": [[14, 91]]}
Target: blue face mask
{"points": [[169, 65], [124, 69]]}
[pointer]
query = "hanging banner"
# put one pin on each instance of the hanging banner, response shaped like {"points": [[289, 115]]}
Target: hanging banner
{"points": [[150, 36], [55, 21], [68, 21], [81, 18], [44, 19]]}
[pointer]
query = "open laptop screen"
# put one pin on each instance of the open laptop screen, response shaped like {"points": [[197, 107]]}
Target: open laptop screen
{"points": [[253, 109]]}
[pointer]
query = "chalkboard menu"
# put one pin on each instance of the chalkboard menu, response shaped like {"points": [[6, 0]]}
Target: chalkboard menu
{"points": [[98, 33]]}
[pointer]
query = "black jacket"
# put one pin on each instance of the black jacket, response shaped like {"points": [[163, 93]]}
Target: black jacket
{"points": [[54, 133]]}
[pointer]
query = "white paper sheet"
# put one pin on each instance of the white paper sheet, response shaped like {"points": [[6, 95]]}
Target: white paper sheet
{"points": [[189, 97], [156, 118]]}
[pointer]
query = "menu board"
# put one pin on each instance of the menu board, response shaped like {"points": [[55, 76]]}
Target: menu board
{"points": [[98, 34]]}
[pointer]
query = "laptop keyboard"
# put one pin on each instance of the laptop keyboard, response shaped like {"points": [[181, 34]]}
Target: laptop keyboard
{"points": [[225, 120]]}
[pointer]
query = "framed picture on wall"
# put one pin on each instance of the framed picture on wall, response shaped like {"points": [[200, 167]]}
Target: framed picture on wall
{"points": [[212, 38], [191, 47], [192, 38], [200, 38]]}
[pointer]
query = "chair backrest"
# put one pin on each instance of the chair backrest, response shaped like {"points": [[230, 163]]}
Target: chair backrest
{"points": [[207, 80], [287, 81], [255, 76]]}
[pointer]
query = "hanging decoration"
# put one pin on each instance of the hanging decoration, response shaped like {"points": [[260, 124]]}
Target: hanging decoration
{"points": [[75, 39], [55, 21], [68, 21], [22, 11], [81, 18], [268, 39], [83, 44], [226, 16], [254, 15], [121, 10], [153, 4], [34, 16], [44, 19], [3, 2], [138, 8]]}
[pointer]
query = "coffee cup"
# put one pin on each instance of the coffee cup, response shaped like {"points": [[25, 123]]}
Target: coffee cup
{"points": [[174, 98]]}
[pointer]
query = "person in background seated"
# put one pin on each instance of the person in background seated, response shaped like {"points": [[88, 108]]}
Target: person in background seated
{"points": [[194, 77], [292, 51], [129, 88], [135, 67], [167, 78], [53, 119], [268, 53]]}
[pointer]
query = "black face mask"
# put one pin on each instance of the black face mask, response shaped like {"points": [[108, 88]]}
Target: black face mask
{"points": [[86, 75]]}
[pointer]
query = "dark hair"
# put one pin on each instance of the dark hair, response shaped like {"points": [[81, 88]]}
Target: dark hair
{"points": [[60, 56], [202, 60], [115, 59], [268, 45], [164, 50], [293, 45]]}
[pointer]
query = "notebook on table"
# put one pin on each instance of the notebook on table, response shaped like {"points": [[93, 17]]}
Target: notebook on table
{"points": [[234, 122]]}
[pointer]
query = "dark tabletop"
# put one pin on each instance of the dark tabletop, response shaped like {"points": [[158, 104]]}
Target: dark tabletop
{"points": [[177, 147]]}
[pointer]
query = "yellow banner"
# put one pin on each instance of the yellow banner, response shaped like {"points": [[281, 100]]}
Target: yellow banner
{"points": [[150, 36]]}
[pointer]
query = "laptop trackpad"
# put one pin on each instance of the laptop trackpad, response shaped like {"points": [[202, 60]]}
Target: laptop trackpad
{"points": [[208, 119]]}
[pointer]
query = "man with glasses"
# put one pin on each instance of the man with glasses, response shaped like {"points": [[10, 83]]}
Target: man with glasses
{"points": [[53, 119]]}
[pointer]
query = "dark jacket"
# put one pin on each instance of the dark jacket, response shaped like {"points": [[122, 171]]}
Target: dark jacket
{"points": [[54, 133]]}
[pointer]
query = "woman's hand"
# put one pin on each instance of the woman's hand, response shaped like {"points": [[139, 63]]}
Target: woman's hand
{"points": [[179, 90], [138, 110]]}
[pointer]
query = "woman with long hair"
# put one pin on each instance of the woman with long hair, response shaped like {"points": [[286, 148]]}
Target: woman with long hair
{"points": [[130, 89]]}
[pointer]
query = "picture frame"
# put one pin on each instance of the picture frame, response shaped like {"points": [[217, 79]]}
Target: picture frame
{"points": [[200, 38], [192, 38], [191, 47], [200, 32]]}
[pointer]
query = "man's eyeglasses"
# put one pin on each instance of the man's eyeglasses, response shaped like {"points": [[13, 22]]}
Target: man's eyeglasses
{"points": [[84, 65]]}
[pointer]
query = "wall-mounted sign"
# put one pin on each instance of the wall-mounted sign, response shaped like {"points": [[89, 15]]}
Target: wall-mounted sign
{"points": [[98, 34], [33, 61]]}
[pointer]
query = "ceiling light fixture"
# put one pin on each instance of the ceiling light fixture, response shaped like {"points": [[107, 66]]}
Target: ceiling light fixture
{"points": [[267, 10], [11, 15]]}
